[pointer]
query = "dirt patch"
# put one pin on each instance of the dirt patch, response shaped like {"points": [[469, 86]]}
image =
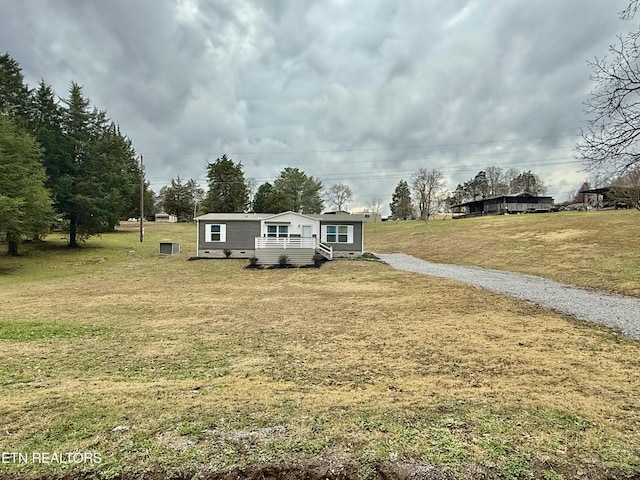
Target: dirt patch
{"points": [[334, 469], [563, 235]]}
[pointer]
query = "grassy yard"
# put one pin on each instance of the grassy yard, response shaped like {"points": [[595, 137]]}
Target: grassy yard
{"points": [[592, 249], [181, 368]]}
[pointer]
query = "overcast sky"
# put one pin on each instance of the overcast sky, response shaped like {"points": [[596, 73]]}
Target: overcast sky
{"points": [[357, 92]]}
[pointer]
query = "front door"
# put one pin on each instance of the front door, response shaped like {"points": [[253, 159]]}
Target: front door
{"points": [[306, 231]]}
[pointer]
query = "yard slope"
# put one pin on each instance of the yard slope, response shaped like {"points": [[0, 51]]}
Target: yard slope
{"points": [[171, 368], [590, 249]]}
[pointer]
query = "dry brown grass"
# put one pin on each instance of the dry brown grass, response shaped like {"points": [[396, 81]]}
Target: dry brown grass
{"points": [[209, 365], [592, 249]]}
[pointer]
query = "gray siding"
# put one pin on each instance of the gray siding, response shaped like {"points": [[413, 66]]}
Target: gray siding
{"points": [[345, 249], [240, 237], [297, 256]]}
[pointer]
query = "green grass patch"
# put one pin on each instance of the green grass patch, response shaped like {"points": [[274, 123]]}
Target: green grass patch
{"points": [[25, 331]]}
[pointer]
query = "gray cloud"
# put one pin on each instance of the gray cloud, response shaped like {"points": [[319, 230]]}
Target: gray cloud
{"points": [[362, 93]]}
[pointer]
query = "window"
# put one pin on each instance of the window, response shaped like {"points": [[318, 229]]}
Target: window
{"points": [[337, 233], [277, 231], [216, 233]]}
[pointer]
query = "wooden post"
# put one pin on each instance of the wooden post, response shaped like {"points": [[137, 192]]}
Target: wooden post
{"points": [[141, 199]]}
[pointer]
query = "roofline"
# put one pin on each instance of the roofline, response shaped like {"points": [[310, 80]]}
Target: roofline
{"points": [[503, 196], [288, 212], [259, 217]]}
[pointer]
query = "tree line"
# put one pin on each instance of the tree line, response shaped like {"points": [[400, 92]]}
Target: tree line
{"points": [[427, 195], [229, 190], [63, 162], [65, 165]]}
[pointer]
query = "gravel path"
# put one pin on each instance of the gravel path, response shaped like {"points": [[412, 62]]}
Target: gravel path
{"points": [[612, 310]]}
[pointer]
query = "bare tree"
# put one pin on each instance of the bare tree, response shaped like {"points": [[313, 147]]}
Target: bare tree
{"points": [[252, 185], [375, 207], [497, 183], [611, 139], [509, 178], [427, 185], [631, 10], [626, 188], [339, 196]]}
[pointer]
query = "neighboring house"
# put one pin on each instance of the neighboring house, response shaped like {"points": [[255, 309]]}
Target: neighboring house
{"points": [[604, 197], [266, 236], [368, 215], [504, 204], [165, 217]]}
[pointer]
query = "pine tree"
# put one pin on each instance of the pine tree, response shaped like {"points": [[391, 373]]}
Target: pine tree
{"points": [[401, 204], [260, 201], [227, 187], [298, 192], [14, 93], [181, 198], [96, 171]]}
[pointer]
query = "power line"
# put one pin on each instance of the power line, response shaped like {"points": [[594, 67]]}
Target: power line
{"points": [[376, 149], [451, 170]]}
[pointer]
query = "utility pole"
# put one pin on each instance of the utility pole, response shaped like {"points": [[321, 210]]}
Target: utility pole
{"points": [[141, 199]]}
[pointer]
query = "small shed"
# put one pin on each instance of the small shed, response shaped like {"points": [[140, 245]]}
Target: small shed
{"points": [[165, 217], [169, 248]]}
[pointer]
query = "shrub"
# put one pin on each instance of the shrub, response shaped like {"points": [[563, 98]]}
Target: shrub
{"points": [[253, 261], [227, 252], [283, 260]]}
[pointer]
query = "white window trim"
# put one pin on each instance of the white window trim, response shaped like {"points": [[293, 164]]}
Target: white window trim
{"points": [[208, 233], [278, 234], [349, 233]]}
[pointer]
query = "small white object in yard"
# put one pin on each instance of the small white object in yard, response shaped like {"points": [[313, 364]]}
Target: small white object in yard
{"points": [[120, 428]]}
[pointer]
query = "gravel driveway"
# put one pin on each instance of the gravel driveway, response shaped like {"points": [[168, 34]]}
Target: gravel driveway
{"points": [[612, 310]]}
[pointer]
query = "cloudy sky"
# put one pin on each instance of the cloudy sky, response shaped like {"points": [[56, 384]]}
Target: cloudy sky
{"points": [[357, 92]]}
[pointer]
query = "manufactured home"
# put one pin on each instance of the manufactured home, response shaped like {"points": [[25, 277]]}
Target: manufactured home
{"points": [[505, 204], [267, 236]]}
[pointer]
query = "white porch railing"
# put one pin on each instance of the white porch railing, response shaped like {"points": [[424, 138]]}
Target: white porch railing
{"points": [[326, 250], [285, 242]]}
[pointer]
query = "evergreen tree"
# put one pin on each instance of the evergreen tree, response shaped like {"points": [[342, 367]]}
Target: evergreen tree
{"points": [[277, 202], [90, 166], [481, 184], [528, 182], [227, 187], [96, 171], [25, 206], [260, 204], [458, 196], [181, 199], [298, 192], [132, 208], [14, 93], [401, 204]]}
